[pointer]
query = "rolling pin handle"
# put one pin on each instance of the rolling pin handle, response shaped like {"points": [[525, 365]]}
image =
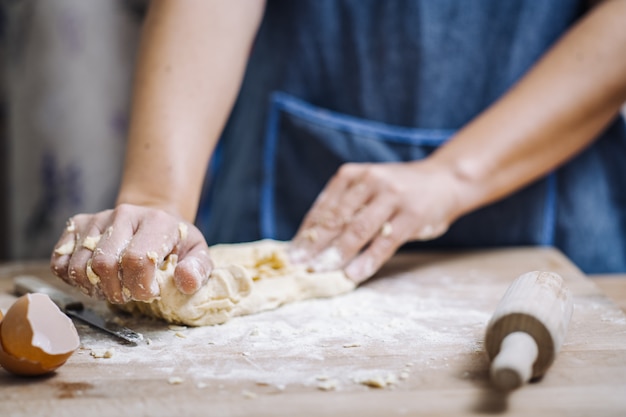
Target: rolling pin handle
{"points": [[513, 366]]}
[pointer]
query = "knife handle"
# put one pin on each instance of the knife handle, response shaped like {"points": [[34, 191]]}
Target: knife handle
{"points": [[25, 284]]}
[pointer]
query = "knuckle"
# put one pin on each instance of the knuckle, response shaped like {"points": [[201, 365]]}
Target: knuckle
{"points": [[123, 210], [81, 218], [158, 216], [397, 191], [349, 170], [375, 173], [134, 260]]}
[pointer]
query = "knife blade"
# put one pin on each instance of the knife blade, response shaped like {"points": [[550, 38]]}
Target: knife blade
{"points": [[74, 308]]}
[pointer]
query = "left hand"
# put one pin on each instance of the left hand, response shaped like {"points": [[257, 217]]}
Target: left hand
{"points": [[367, 211]]}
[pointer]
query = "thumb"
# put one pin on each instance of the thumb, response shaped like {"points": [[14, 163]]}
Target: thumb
{"points": [[194, 267]]}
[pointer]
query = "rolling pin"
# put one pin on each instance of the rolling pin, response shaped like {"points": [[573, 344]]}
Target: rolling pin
{"points": [[527, 328]]}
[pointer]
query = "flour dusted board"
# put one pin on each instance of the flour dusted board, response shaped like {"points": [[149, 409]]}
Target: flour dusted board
{"points": [[417, 330]]}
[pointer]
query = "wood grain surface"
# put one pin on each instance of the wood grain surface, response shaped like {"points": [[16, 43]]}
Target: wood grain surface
{"points": [[417, 330]]}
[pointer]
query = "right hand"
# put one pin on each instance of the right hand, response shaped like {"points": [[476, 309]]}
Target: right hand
{"points": [[123, 248]]}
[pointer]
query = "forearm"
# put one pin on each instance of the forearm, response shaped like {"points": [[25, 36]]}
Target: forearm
{"points": [[553, 113], [191, 61]]}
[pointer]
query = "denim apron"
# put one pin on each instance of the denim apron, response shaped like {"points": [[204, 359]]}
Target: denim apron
{"points": [[335, 81]]}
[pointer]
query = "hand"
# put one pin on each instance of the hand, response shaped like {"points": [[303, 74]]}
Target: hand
{"points": [[367, 211], [114, 254]]}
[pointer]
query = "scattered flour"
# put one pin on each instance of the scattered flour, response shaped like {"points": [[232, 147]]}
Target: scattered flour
{"points": [[368, 337]]}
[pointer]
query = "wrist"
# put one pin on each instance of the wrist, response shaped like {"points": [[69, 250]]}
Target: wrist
{"points": [[460, 180]]}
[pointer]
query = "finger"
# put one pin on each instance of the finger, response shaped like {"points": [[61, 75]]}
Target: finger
{"points": [[156, 237], [149, 250], [105, 261], [194, 266], [62, 252], [350, 204], [324, 222], [365, 226], [88, 231], [392, 235], [326, 200]]}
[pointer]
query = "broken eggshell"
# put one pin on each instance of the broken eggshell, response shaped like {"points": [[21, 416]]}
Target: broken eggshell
{"points": [[35, 336]]}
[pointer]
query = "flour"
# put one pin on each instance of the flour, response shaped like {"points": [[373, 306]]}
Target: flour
{"points": [[363, 335]]}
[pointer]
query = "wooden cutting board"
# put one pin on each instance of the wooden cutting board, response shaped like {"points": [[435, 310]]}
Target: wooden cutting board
{"points": [[417, 330]]}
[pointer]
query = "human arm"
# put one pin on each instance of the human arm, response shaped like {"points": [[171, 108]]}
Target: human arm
{"points": [[191, 62], [556, 110]]}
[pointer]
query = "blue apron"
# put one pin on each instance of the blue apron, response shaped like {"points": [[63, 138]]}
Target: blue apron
{"points": [[332, 81]]}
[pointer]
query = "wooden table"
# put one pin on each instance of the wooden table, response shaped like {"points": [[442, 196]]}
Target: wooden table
{"points": [[417, 330], [613, 286]]}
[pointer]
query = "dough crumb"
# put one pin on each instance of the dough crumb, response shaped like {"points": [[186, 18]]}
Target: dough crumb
{"points": [[248, 394], [153, 256], [71, 226], [126, 293], [93, 278], [322, 377], [118, 320], [351, 345], [91, 242], [102, 353], [175, 380], [201, 385], [181, 335], [183, 230], [176, 327], [403, 376], [65, 249], [386, 230], [245, 353], [379, 381], [330, 385]]}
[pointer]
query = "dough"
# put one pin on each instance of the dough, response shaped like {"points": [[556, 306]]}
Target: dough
{"points": [[247, 278]]}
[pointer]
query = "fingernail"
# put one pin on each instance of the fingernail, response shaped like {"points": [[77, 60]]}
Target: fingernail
{"points": [[328, 260], [361, 269]]}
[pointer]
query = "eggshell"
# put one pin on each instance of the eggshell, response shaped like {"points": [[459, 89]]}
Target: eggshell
{"points": [[21, 366], [35, 336]]}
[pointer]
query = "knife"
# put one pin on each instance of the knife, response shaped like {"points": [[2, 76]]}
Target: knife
{"points": [[74, 308]]}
